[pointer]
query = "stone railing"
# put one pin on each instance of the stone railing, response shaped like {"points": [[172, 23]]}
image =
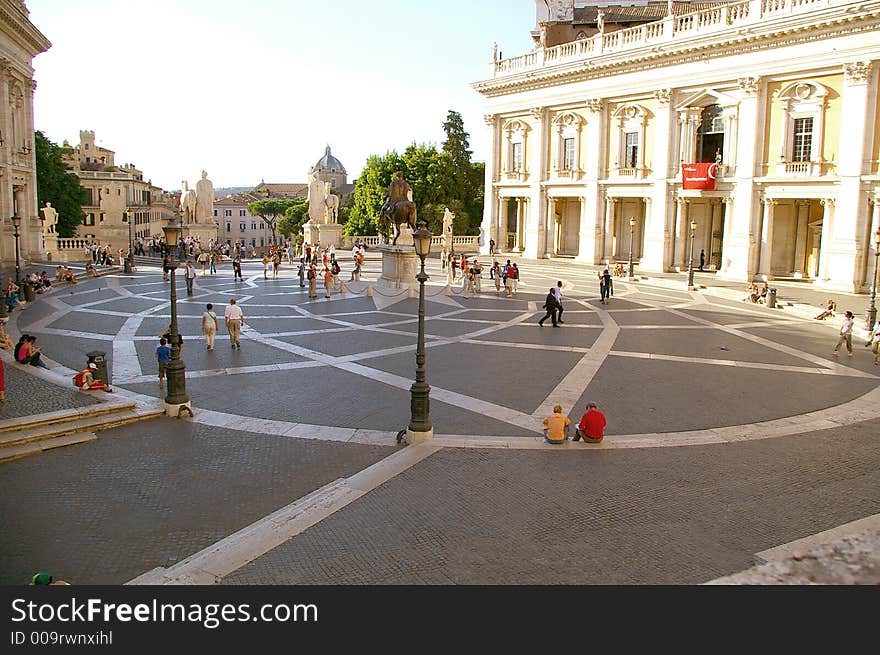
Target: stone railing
{"points": [[666, 30], [459, 243]]}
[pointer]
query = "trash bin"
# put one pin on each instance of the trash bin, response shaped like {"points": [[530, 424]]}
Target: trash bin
{"points": [[771, 298], [28, 291], [98, 358]]}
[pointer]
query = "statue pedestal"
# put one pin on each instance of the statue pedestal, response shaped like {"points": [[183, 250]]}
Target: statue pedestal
{"points": [[400, 265], [330, 235], [204, 233], [310, 233]]}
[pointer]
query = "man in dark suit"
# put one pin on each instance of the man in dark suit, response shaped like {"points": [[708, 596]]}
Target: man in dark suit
{"points": [[551, 305]]}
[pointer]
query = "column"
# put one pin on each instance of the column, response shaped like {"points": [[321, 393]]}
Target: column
{"points": [[828, 218], [491, 219], [741, 219], [646, 215], [682, 235], [871, 263], [590, 247], [802, 207], [536, 243], [657, 206], [847, 243], [519, 238], [501, 239], [608, 228], [714, 223], [765, 252]]}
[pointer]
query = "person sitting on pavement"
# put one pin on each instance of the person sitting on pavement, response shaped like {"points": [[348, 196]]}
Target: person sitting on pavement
{"points": [[556, 426], [11, 299], [830, 308], [86, 381], [5, 341], [762, 294], [28, 353], [592, 426]]}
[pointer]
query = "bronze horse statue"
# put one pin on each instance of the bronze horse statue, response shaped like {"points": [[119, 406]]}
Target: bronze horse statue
{"points": [[396, 213]]}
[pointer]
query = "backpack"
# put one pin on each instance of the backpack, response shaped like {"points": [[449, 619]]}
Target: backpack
{"points": [[336, 268]]}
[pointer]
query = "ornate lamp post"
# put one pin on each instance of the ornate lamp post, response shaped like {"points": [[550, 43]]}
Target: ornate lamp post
{"points": [[176, 402], [420, 428], [632, 229], [16, 223], [129, 259], [872, 307], [691, 286]]}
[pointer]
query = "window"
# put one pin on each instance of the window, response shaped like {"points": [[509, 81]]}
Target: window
{"points": [[215, 212], [227, 212], [517, 156], [253, 226], [631, 153], [102, 218], [89, 219], [568, 162], [710, 137], [242, 212], [229, 227], [802, 139], [333, 183], [241, 227]]}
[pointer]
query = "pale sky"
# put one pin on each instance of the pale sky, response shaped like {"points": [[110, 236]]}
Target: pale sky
{"points": [[255, 90]]}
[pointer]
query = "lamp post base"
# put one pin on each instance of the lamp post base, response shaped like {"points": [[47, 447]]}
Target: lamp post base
{"points": [[417, 437], [693, 287], [179, 409], [632, 278]]}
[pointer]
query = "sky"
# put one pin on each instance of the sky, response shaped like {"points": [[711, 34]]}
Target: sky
{"points": [[252, 91]]}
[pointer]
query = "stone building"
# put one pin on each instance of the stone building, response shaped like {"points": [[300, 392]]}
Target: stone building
{"points": [[20, 42], [751, 126], [236, 223], [114, 194]]}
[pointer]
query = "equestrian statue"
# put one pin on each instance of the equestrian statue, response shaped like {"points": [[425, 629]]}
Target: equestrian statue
{"points": [[397, 209]]}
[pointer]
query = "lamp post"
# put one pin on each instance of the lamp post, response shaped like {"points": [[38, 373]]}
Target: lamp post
{"points": [[420, 428], [632, 229], [16, 223], [176, 402], [872, 307], [691, 286], [129, 259]]}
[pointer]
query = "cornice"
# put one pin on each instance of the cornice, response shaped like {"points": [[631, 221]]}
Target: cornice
{"points": [[16, 24], [739, 41]]}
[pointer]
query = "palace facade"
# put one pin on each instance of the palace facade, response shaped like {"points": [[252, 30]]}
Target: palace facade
{"points": [[748, 130]]}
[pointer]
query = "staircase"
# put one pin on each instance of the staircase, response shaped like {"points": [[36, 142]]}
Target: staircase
{"points": [[32, 435]]}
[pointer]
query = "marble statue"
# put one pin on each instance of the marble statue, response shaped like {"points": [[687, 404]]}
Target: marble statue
{"points": [[600, 21], [331, 204], [50, 220], [448, 218], [188, 203], [316, 195], [204, 212]]}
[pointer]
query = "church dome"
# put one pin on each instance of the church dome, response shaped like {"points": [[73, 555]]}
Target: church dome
{"points": [[329, 164]]}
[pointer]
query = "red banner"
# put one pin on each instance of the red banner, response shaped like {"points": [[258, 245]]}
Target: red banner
{"points": [[700, 177]]}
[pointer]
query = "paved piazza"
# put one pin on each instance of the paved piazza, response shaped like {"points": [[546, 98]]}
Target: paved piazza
{"points": [[289, 472]]}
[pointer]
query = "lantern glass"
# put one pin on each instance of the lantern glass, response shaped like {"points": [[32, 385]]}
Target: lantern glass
{"points": [[16, 221], [172, 233], [693, 225], [422, 240]]}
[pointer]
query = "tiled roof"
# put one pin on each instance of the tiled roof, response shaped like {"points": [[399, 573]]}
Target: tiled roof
{"points": [[650, 12]]}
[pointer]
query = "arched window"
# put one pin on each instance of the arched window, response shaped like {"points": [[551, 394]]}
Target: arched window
{"points": [[803, 106], [631, 122], [710, 135]]}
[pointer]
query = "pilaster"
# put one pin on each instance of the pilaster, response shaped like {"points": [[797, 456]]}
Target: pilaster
{"points": [[537, 240], [655, 243], [491, 228]]}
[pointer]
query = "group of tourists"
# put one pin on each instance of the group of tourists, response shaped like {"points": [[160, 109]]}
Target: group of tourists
{"points": [[591, 427]]}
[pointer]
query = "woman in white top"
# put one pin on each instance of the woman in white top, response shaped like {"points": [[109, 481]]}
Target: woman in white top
{"points": [[875, 343]]}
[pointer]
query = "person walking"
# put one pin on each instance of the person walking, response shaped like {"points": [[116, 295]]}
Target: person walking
{"points": [[496, 275], [236, 266], [592, 426], [203, 261], [327, 274], [209, 325], [234, 318], [189, 275], [509, 274], [265, 267], [212, 260], [444, 258], [478, 276], [491, 247], [605, 282], [551, 306], [313, 282], [334, 270], [558, 293], [301, 271], [276, 264], [875, 342], [702, 258], [515, 278], [845, 334]]}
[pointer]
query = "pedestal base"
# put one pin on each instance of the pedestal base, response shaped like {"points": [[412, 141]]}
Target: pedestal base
{"points": [[329, 234], [178, 411], [400, 265], [418, 437], [204, 233]]}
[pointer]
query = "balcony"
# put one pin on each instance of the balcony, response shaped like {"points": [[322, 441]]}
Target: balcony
{"points": [[733, 17], [802, 168]]}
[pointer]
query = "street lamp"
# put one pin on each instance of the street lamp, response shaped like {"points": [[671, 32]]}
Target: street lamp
{"points": [[872, 308], [129, 259], [176, 402], [632, 228], [420, 427], [16, 223], [691, 286]]}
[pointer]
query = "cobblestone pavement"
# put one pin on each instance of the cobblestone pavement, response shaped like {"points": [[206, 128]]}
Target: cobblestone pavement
{"points": [[27, 395], [650, 516], [150, 494]]}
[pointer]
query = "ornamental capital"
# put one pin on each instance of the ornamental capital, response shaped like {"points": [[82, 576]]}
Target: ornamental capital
{"points": [[664, 96], [857, 72], [537, 112], [748, 85], [490, 119], [594, 104], [827, 202]]}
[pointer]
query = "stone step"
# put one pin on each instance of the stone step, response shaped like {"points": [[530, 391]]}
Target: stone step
{"points": [[76, 425], [9, 453], [29, 422]]}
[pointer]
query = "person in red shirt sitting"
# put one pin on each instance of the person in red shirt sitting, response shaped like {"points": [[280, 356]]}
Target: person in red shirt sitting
{"points": [[592, 426]]}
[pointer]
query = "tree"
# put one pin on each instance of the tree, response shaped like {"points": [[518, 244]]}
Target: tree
{"points": [[57, 185], [270, 210], [294, 217], [467, 177], [369, 193]]}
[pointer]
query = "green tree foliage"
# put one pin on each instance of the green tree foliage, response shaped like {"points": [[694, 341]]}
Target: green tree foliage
{"points": [[58, 186], [270, 210], [294, 216], [439, 179]]}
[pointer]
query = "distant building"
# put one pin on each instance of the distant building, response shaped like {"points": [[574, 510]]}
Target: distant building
{"points": [[20, 42], [236, 223], [328, 168], [113, 193]]}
